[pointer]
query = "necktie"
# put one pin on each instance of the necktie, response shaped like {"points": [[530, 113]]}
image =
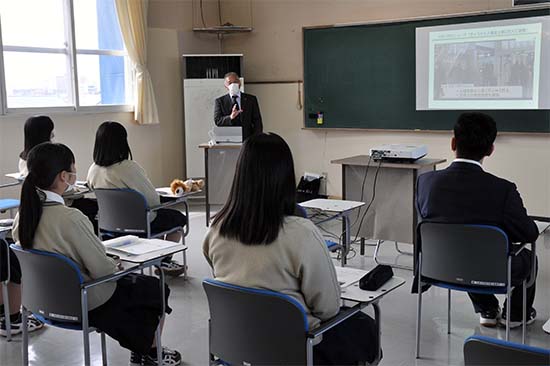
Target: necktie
{"points": [[235, 102]]}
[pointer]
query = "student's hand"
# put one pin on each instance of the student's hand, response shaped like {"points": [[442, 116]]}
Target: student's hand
{"points": [[235, 112]]}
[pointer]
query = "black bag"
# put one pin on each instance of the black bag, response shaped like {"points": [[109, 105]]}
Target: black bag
{"points": [[373, 280], [308, 190]]}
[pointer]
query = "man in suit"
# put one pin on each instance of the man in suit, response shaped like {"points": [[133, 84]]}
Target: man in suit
{"points": [[238, 109], [465, 193]]}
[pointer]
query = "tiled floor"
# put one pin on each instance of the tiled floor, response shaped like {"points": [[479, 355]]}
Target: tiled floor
{"points": [[186, 328]]}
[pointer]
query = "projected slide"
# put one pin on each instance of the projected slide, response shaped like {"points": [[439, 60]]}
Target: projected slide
{"points": [[486, 65]]}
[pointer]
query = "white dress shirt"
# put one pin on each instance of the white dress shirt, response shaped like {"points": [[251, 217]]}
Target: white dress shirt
{"points": [[469, 161]]}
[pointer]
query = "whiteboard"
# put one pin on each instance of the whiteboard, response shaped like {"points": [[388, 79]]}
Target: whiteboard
{"points": [[198, 100]]}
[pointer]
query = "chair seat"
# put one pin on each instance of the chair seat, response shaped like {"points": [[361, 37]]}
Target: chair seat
{"points": [[8, 203]]}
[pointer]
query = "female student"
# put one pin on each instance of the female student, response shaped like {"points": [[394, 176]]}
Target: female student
{"points": [[39, 129], [113, 167], [256, 241], [128, 310]]}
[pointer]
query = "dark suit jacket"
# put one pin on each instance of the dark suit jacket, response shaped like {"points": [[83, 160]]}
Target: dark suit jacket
{"points": [[250, 118], [464, 193]]}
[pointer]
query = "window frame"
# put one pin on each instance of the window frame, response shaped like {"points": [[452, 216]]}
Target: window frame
{"points": [[71, 52]]}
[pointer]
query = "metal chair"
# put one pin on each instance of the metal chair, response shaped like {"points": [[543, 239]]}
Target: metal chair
{"points": [[60, 306], [480, 350], [124, 211], [9, 204], [454, 256], [5, 283], [258, 327]]}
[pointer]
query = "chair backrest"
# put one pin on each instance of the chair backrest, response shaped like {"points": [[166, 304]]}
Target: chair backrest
{"points": [[122, 211], [256, 327], [464, 255], [480, 350], [51, 285]]}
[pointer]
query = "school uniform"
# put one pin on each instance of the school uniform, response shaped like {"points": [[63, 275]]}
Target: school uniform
{"points": [[129, 174], [127, 310], [85, 205], [299, 265]]}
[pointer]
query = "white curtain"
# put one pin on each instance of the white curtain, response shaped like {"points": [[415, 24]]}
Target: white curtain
{"points": [[132, 16]]}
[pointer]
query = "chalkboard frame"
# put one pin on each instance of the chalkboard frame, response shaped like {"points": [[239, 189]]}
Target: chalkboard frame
{"points": [[508, 121]]}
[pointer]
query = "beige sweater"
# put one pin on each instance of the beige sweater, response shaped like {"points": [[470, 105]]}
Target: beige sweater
{"points": [[67, 231], [126, 174], [297, 264]]}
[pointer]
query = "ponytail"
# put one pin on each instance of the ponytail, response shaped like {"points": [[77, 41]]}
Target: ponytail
{"points": [[30, 212], [45, 161]]}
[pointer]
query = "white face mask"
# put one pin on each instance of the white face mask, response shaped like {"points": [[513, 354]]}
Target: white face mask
{"points": [[234, 89]]}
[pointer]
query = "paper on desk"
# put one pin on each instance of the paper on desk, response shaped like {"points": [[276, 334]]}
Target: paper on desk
{"points": [[543, 226], [133, 245], [348, 276]]}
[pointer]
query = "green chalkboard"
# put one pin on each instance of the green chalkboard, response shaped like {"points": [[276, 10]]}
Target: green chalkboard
{"points": [[363, 76]]}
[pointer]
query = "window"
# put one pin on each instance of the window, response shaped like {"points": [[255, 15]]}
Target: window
{"points": [[62, 53]]}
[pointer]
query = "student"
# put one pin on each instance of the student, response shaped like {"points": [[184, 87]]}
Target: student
{"points": [[465, 193], [39, 129], [14, 293], [257, 241], [113, 167], [127, 310]]}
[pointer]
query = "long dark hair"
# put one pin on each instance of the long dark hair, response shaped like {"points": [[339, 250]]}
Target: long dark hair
{"points": [[45, 161], [38, 129], [111, 144], [263, 191]]}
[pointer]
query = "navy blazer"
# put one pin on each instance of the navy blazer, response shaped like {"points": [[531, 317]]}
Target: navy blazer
{"points": [[250, 118], [465, 193]]}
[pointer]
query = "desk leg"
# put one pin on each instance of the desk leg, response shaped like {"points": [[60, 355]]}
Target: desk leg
{"points": [[378, 321], [347, 240], [207, 185]]}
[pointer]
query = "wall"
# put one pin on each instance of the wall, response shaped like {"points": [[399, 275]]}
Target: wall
{"points": [[274, 52]]}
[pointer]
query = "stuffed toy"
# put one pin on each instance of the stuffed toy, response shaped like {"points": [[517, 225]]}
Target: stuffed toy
{"points": [[179, 187]]}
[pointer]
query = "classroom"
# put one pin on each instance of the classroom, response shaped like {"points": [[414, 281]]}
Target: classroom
{"points": [[274, 182]]}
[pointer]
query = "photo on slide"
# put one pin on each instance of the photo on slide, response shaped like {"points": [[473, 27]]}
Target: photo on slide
{"points": [[485, 67]]}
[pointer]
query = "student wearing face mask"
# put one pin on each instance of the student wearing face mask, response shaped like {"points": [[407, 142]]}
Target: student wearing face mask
{"points": [[39, 129], [238, 109], [127, 310]]}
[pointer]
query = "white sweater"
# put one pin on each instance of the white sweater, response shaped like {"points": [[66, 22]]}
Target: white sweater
{"points": [[297, 264], [126, 174]]}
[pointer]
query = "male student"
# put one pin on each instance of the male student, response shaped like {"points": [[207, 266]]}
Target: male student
{"points": [[465, 193], [238, 109]]}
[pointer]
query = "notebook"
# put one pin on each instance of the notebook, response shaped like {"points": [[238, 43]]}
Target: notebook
{"points": [[348, 276], [133, 245]]}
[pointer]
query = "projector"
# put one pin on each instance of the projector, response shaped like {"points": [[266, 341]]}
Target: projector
{"points": [[398, 152]]}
